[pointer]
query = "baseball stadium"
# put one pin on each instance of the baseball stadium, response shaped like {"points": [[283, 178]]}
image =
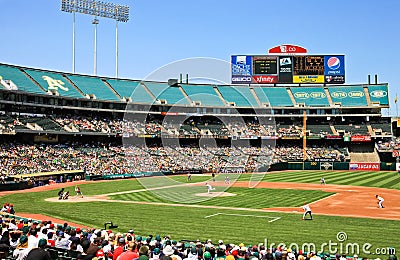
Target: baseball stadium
{"points": [[178, 169]]}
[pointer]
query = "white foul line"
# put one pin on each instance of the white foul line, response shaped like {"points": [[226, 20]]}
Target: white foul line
{"points": [[243, 215]]}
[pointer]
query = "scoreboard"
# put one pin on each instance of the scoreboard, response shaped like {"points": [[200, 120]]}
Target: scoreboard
{"points": [[308, 65], [265, 65], [291, 69]]}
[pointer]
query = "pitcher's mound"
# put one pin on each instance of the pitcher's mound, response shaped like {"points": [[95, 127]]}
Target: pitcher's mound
{"points": [[216, 194]]}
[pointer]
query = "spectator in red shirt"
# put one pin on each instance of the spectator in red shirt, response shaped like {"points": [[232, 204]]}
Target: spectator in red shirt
{"points": [[119, 249]]}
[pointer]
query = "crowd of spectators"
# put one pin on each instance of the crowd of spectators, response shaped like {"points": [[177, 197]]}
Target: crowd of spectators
{"points": [[134, 126], [389, 145], [28, 239], [101, 158]]}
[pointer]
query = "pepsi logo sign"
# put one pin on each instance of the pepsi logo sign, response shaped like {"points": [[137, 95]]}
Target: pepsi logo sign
{"points": [[333, 63]]}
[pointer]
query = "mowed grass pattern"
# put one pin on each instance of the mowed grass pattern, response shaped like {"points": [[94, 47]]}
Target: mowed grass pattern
{"points": [[382, 179], [245, 226], [244, 197]]}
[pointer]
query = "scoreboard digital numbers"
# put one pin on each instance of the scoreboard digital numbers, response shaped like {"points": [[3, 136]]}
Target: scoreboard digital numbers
{"points": [[308, 65], [265, 65]]}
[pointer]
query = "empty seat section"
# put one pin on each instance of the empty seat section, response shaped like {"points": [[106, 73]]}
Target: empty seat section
{"points": [[261, 95], [93, 85], [20, 79], [385, 127], [352, 128], [162, 91], [45, 123], [379, 94], [348, 96], [54, 81], [242, 96], [321, 129], [277, 96], [205, 94], [132, 89], [311, 96]]}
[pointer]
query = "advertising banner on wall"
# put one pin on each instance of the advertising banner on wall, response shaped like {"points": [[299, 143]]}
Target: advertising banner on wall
{"points": [[308, 79], [241, 66], [334, 69], [361, 138], [357, 166], [285, 69], [287, 49]]}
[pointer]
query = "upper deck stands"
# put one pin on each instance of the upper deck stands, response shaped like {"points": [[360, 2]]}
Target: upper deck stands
{"points": [[54, 82], [132, 89], [205, 94], [241, 96], [79, 86], [348, 96], [310, 96], [93, 85], [19, 78], [162, 91], [378, 94], [274, 96]]}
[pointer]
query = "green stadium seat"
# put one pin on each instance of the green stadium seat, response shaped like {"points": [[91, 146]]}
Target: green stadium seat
{"points": [[93, 85], [348, 96], [54, 81], [20, 79], [241, 96], [205, 94], [379, 94], [310, 96], [131, 89], [274, 96], [162, 91]]}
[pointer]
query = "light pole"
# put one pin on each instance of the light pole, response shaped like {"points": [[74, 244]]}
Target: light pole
{"points": [[120, 13], [95, 22]]}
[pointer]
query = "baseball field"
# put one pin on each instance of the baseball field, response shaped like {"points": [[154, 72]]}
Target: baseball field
{"points": [[252, 208]]}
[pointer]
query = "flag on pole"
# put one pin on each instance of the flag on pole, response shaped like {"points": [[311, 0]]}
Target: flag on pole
{"points": [[395, 99]]}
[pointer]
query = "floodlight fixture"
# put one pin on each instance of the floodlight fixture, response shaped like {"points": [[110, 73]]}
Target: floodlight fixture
{"points": [[117, 12], [120, 13]]}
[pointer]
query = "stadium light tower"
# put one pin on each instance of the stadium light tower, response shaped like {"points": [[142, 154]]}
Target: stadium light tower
{"points": [[120, 13]]}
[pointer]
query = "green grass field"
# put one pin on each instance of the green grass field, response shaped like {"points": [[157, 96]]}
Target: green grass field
{"points": [[232, 225]]}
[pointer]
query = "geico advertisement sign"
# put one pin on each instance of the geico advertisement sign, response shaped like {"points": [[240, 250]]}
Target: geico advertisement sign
{"points": [[241, 79]]}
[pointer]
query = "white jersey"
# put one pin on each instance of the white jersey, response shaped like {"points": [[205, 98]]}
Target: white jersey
{"points": [[306, 208]]}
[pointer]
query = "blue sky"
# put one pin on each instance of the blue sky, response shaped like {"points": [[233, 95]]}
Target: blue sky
{"points": [[37, 34]]}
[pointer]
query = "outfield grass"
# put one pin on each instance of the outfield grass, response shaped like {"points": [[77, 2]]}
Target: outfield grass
{"points": [[244, 197], [383, 179], [230, 225]]}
